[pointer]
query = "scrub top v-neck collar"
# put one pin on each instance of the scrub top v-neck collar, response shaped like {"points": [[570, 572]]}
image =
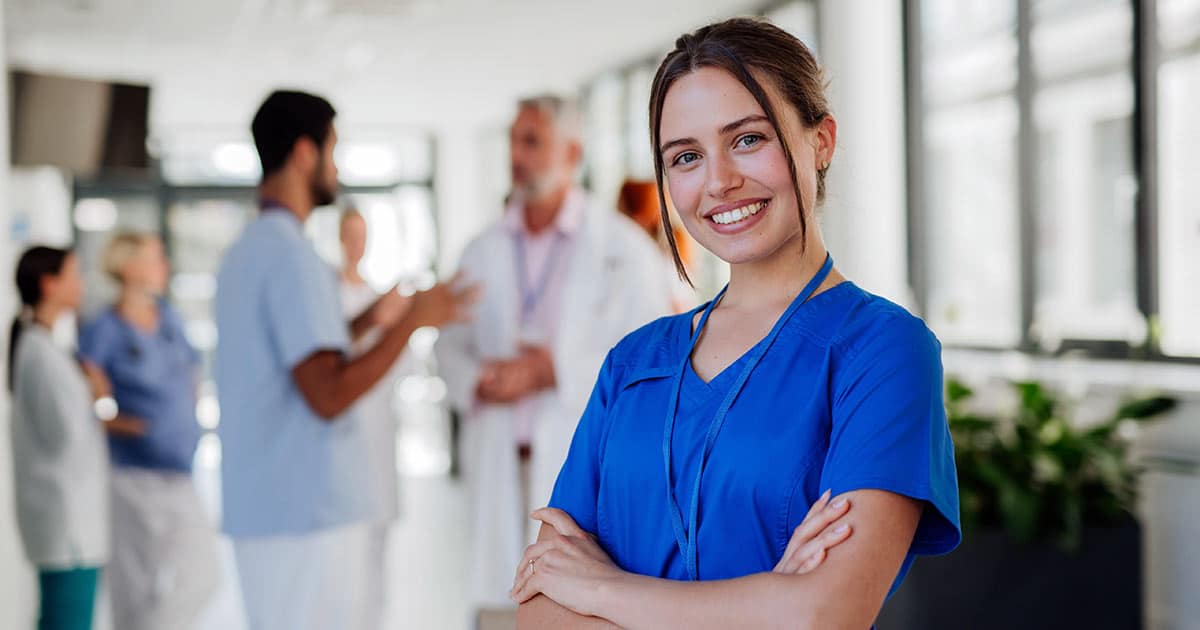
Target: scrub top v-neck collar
{"points": [[686, 533]]}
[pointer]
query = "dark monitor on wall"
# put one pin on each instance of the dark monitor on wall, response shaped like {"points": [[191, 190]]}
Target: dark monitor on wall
{"points": [[82, 126]]}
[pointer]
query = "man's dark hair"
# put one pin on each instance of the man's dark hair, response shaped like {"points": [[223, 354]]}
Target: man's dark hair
{"points": [[284, 118]]}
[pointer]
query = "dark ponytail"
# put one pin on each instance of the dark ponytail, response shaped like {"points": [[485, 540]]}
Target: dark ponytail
{"points": [[34, 264]]}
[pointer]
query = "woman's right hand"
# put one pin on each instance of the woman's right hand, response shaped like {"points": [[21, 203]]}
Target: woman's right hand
{"points": [[445, 303], [814, 537]]}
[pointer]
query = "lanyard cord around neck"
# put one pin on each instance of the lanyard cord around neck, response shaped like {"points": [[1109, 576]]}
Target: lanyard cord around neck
{"points": [[531, 295], [686, 538]]}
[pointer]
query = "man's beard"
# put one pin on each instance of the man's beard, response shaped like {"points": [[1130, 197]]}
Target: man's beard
{"points": [[534, 188], [322, 194]]}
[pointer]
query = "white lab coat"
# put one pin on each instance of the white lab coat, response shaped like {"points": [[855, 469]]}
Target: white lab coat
{"points": [[377, 415], [60, 458], [615, 283], [377, 412]]}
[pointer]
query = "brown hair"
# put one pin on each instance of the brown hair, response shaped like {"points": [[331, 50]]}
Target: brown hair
{"points": [[739, 46], [33, 265]]}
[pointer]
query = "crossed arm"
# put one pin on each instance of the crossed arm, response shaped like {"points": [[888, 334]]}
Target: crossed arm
{"points": [[574, 584]]}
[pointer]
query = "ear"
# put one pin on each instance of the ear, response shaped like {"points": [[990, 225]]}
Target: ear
{"points": [[825, 140], [48, 282], [305, 154], [575, 153]]}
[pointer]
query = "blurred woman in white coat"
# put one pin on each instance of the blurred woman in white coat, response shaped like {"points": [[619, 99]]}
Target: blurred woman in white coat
{"points": [[368, 313], [60, 460]]}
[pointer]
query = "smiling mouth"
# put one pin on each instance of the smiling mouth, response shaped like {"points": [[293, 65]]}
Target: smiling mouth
{"points": [[737, 215]]}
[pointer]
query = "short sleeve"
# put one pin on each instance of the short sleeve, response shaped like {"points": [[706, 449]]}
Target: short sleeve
{"points": [[98, 341], [889, 428], [577, 489], [303, 307]]}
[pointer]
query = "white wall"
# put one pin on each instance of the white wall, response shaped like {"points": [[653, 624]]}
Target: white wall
{"points": [[463, 204], [16, 580]]}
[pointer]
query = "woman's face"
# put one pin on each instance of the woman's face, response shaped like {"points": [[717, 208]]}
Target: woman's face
{"points": [[726, 169], [148, 270], [66, 287]]}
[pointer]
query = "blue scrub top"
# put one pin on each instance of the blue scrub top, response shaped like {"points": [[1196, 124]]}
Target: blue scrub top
{"points": [[153, 378], [284, 469], [849, 397]]}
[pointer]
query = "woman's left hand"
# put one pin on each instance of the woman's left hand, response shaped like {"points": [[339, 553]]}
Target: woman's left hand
{"points": [[566, 567]]}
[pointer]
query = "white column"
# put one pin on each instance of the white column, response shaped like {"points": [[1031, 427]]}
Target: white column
{"points": [[864, 220], [469, 188], [17, 590]]}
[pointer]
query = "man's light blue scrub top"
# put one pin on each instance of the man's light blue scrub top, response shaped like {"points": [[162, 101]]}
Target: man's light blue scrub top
{"points": [[849, 397], [284, 469]]}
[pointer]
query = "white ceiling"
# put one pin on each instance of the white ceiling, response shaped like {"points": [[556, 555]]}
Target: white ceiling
{"points": [[425, 63]]}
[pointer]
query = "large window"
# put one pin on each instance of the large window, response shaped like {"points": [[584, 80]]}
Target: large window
{"points": [[604, 146], [100, 211], [639, 154], [968, 171], [1086, 232], [1178, 155], [1053, 175]]}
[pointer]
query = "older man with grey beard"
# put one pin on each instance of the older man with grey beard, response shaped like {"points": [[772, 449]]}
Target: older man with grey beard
{"points": [[563, 279]]}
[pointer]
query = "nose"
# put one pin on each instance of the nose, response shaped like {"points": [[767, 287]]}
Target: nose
{"points": [[722, 176]]}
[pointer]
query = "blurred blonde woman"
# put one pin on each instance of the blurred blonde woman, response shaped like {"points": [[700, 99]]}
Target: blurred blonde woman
{"points": [[163, 570]]}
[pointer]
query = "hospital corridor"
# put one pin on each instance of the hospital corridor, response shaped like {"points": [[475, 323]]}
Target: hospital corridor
{"points": [[426, 584], [548, 314]]}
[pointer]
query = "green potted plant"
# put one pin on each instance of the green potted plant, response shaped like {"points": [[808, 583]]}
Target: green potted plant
{"points": [[1050, 540]]}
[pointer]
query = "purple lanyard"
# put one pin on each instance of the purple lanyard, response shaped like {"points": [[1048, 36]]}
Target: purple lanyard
{"points": [[530, 296]]}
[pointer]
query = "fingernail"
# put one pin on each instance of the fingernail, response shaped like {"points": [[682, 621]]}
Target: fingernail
{"points": [[839, 504], [825, 495], [841, 529]]}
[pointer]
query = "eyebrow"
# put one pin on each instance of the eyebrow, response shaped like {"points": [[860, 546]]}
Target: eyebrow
{"points": [[733, 126]]}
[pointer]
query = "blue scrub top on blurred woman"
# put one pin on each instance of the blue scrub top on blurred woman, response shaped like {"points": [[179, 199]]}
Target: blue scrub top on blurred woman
{"points": [[153, 376]]}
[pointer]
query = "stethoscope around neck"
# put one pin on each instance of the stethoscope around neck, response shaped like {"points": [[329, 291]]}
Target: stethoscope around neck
{"points": [[685, 538]]}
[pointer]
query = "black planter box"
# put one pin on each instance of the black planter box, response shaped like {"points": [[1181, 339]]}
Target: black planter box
{"points": [[991, 583]]}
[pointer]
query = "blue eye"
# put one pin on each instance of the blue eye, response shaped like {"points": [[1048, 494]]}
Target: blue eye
{"points": [[685, 158], [749, 140]]}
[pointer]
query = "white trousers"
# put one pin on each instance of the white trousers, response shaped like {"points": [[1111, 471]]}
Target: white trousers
{"points": [[308, 581], [164, 567], [376, 584]]}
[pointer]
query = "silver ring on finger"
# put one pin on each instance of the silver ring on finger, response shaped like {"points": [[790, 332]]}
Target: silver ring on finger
{"points": [[532, 569]]}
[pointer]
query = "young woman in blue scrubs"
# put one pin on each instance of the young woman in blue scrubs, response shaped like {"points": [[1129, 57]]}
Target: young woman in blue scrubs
{"points": [[710, 435], [163, 569]]}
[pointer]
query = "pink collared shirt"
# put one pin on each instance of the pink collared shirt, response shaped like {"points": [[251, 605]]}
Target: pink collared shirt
{"points": [[542, 261]]}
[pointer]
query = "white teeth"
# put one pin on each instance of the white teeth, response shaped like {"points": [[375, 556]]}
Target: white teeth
{"points": [[737, 214]]}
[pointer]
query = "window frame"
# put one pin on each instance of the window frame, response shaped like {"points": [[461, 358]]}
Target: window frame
{"points": [[1144, 63]]}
